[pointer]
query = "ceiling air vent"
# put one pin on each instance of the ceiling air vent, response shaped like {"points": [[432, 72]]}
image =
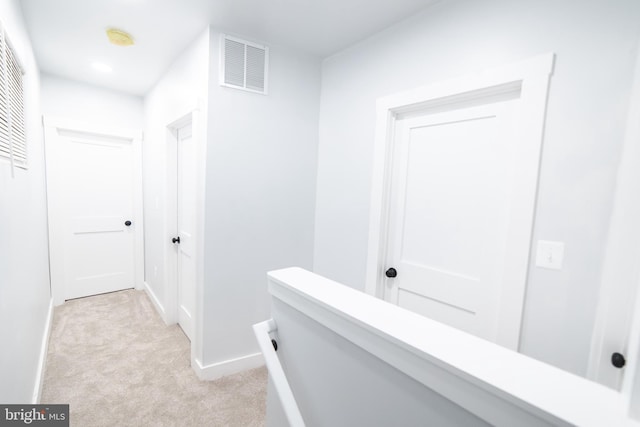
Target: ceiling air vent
{"points": [[244, 65]]}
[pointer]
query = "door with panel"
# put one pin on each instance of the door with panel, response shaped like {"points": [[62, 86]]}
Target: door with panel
{"points": [[185, 242], [450, 224], [90, 183]]}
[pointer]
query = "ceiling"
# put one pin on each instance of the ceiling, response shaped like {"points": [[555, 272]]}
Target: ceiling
{"points": [[69, 35]]}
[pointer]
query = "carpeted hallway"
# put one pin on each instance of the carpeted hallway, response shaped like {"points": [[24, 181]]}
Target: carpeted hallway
{"points": [[117, 364]]}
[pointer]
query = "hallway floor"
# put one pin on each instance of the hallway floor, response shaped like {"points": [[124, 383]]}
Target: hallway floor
{"points": [[116, 363]]}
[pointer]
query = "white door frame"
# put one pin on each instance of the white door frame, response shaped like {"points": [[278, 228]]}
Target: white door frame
{"points": [[531, 78], [54, 213], [193, 116]]}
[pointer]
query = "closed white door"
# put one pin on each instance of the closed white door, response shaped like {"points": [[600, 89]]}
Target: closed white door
{"points": [[454, 176], [185, 247], [91, 205]]}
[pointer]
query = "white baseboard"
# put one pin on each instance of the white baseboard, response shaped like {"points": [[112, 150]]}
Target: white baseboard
{"points": [[44, 348], [156, 302], [228, 367]]}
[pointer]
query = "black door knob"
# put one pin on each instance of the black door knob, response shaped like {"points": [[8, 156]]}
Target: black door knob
{"points": [[176, 240], [127, 223], [391, 272], [618, 360]]}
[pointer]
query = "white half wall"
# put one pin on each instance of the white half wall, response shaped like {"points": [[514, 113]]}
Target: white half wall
{"points": [[336, 383], [350, 359], [260, 194], [24, 263], [594, 43], [182, 87], [67, 99]]}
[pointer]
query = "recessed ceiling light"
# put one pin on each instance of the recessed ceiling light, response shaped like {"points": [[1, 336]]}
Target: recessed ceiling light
{"points": [[103, 68], [119, 37]]}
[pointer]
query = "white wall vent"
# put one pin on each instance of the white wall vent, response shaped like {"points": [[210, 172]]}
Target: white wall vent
{"points": [[243, 65]]}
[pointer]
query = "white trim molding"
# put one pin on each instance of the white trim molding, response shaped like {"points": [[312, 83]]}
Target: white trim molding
{"points": [[263, 331], [91, 128], [156, 303], [529, 80], [500, 386], [217, 370], [44, 350]]}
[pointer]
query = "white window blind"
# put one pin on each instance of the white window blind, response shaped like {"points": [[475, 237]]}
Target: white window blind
{"points": [[5, 149], [13, 142]]}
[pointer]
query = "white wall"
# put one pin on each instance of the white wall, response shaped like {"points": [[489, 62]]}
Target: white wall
{"points": [[336, 383], [63, 98], [260, 194], [594, 42], [182, 87], [24, 264]]}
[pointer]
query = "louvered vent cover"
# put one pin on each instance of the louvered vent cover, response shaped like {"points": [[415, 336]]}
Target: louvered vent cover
{"points": [[244, 65]]}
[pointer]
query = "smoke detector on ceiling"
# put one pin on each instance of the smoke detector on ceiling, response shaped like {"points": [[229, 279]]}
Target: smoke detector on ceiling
{"points": [[119, 37]]}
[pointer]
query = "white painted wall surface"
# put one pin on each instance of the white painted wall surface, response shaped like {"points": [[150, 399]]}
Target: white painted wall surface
{"points": [[67, 99], [336, 383], [182, 87], [594, 44], [260, 194], [24, 264]]}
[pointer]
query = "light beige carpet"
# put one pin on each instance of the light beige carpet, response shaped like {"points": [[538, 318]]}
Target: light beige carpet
{"points": [[117, 364]]}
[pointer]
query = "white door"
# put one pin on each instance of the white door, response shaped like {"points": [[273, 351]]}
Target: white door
{"points": [[185, 247], [90, 181], [450, 221]]}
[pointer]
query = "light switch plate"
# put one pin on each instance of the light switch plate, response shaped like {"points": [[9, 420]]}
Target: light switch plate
{"points": [[550, 254]]}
